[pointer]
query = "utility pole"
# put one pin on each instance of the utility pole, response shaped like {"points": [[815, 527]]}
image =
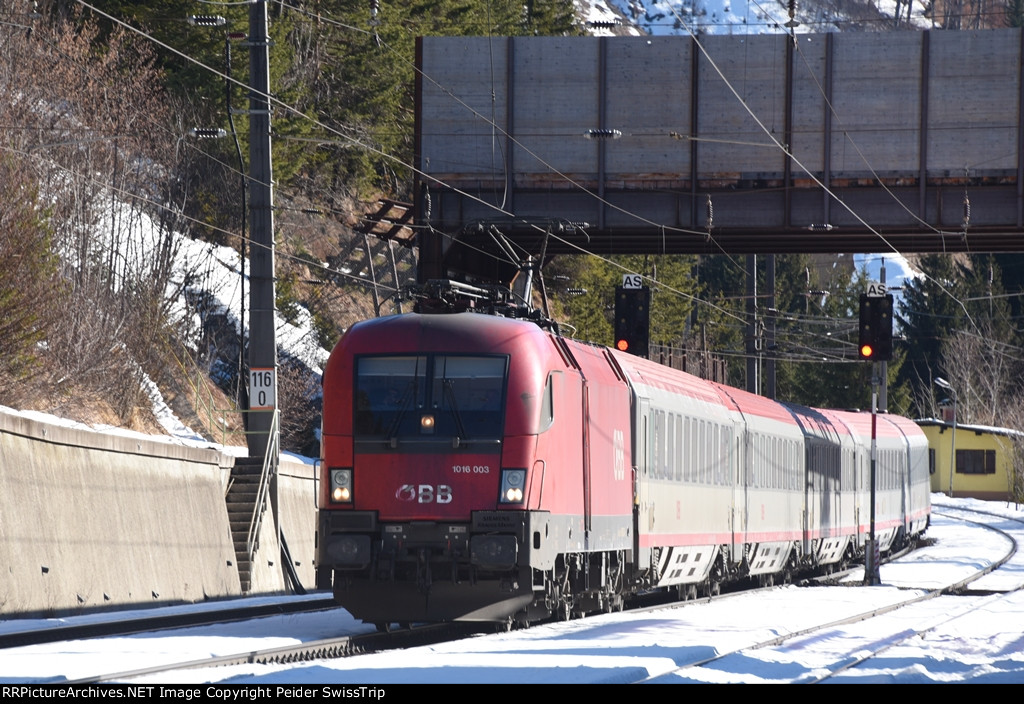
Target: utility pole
{"points": [[874, 344], [753, 346], [872, 575], [262, 336], [883, 398]]}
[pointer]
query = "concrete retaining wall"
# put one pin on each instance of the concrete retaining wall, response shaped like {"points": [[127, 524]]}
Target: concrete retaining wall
{"points": [[91, 520], [296, 496]]}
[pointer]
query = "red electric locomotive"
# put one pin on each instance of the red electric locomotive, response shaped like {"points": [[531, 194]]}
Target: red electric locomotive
{"points": [[471, 467], [477, 467]]}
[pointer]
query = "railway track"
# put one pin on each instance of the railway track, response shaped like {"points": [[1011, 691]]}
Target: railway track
{"points": [[730, 638], [341, 646], [115, 624], [853, 641]]}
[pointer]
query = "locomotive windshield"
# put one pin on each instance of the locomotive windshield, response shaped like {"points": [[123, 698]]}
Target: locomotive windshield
{"points": [[422, 397]]}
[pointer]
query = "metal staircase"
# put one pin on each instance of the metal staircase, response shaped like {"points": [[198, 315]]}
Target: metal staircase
{"points": [[247, 497], [382, 251]]}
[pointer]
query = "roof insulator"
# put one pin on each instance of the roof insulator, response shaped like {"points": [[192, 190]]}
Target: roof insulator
{"points": [[602, 133]]}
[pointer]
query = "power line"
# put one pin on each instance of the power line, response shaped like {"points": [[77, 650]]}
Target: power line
{"points": [[358, 143]]}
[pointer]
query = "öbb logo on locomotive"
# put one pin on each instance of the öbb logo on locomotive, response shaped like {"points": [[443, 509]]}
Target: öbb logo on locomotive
{"points": [[485, 468], [424, 493]]}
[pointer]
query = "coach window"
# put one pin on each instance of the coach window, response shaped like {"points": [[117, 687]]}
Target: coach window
{"points": [[760, 461], [776, 463], [716, 453], [660, 472], [670, 452], [766, 453], [692, 434], [702, 449], [679, 458], [795, 473]]}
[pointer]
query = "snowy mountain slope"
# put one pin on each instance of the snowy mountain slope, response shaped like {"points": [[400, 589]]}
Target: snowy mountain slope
{"points": [[686, 17]]}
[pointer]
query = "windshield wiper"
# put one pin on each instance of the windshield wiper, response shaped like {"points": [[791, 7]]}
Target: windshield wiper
{"points": [[460, 430], [403, 406]]}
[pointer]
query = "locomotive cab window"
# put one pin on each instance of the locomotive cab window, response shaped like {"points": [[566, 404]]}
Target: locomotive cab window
{"points": [[429, 396]]}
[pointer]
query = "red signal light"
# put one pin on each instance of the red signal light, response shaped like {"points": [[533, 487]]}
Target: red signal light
{"points": [[632, 320], [875, 338]]}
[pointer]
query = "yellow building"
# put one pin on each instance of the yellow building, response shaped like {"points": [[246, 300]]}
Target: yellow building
{"points": [[984, 459]]}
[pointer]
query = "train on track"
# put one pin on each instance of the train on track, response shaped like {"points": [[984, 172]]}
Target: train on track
{"points": [[485, 468]]}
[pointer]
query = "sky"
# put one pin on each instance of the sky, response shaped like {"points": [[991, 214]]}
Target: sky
{"points": [[975, 638]]}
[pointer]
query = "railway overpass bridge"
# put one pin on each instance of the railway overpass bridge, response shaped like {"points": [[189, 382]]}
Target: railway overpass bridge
{"points": [[815, 143]]}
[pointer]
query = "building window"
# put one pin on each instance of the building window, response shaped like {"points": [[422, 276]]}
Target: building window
{"points": [[975, 461]]}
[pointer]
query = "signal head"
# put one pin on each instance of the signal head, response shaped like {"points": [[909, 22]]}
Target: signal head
{"points": [[632, 320], [875, 340]]}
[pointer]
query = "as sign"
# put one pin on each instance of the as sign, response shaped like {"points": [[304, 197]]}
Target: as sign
{"points": [[875, 289], [632, 281]]}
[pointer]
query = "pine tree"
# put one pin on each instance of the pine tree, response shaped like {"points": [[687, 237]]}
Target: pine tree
{"points": [[932, 311], [582, 289], [1015, 13], [368, 92]]}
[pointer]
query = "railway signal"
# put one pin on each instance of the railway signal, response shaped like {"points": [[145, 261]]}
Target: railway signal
{"points": [[875, 339], [632, 318]]}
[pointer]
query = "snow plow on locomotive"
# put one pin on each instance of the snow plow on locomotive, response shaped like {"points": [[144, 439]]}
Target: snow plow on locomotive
{"points": [[482, 468]]}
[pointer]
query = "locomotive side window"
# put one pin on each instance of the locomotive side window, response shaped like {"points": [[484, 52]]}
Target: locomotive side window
{"points": [[547, 408]]}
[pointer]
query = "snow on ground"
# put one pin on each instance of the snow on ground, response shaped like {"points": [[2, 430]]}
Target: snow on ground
{"points": [[977, 638]]}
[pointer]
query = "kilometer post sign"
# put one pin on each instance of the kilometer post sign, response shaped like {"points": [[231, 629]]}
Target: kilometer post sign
{"points": [[262, 389]]}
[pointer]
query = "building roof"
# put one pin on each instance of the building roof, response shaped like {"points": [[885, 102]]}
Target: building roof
{"points": [[992, 430]]}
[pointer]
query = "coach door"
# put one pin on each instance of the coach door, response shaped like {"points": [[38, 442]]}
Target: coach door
{"points": [[642, 510], [739, 454]]}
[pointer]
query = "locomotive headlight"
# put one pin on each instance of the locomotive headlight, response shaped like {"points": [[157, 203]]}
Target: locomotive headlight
{"points": [[513, 482], [427, 424], [341, 485]]}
